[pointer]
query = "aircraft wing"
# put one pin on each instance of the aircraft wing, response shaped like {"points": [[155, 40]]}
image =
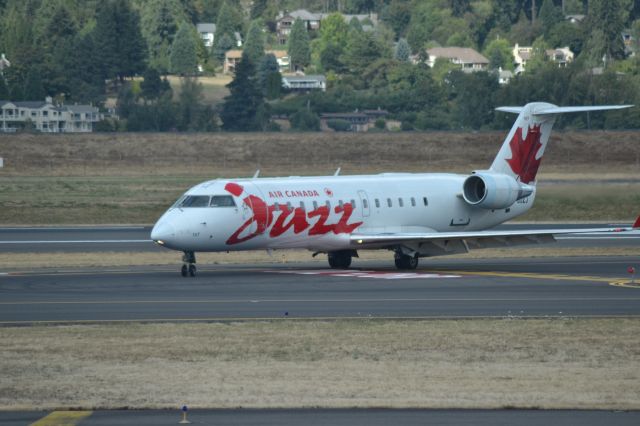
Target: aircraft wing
{"points": [[479, 239]]}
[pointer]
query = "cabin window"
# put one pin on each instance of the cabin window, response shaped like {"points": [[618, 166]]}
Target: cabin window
{"points": [[276, 207], [328, 204], [389, 203], [365, 204], [413, 202], [425, 201], [289, 207], [400, 202], [222, 201], [302, 205], [377, 203], [315, 205], [341, 204], [195, 201]]}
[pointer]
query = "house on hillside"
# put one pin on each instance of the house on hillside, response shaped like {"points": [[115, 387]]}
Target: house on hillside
{"points": [[304, 83], [468, 59], [522, 54], [232, 57], [575, 19], [207, 33], [47, 117], [313, 21], [359, 121]]}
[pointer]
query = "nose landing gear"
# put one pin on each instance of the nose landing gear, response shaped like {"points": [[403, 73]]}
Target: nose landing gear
{"points": [[189, 265]]}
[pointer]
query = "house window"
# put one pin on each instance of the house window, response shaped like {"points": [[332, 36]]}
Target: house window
{"points": [[377, 203], [45, 113], [33, 113], [400, 202], [389, 203], [413, 202], [425, 201]]}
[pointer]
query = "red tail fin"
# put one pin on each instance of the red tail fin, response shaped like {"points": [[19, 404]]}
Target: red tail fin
{"points": [[637, 224]]}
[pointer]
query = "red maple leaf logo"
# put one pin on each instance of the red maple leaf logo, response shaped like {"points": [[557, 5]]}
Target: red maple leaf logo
{"points": [[523, 160]]}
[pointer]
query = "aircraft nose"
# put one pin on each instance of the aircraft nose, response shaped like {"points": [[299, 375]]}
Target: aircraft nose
{"points": [[162, 233]]}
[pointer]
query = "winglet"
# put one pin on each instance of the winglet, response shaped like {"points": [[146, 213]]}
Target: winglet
{"points": [[636, 225]]}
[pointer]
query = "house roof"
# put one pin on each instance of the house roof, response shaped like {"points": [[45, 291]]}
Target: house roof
{"points": [[233, 54], [344, 115], [464, 54], [298, 78], [277, 53], [30, 104], [79, 109], [206, 27], [305, 15]]}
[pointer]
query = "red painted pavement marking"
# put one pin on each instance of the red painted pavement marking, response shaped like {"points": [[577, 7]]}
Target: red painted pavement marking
{"points": [[368, 274]]}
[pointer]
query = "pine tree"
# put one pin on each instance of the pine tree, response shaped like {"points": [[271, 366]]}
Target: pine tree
{"points": [[355, 24], [159, 26], [242, 109], [221, 47], [151, 87], [225, 25], [254, 45], [298, 49], [4, 89], [606, 22], [33, 88], [258, 7], [549, 15], [403, 51], [119, 40], [183, 58], [269, 77]]}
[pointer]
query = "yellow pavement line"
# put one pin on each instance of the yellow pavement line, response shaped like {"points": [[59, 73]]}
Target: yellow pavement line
{"points": [[63, 418]]}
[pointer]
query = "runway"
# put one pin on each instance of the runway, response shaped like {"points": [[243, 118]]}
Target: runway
{"points": [[137, 238], [441, 288]]}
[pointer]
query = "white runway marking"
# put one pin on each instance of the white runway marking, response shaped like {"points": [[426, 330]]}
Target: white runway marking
{"points": [[369, 274]]}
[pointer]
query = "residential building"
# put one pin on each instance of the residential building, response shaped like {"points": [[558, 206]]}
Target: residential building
{"points": [[629, 43], [504, 76], [522, 54], [48, 117], [207, 33], [232, 57], [561, 56], [304, 83], [468, 59], [360, 121], [575, 19], [4, 63], [313, 21]]}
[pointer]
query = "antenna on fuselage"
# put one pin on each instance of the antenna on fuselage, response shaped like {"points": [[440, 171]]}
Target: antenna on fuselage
{"points": [[256, 174], [337, 171]]}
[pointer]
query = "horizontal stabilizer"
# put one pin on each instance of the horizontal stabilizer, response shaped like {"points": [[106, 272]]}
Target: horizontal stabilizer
{"points": [[545, 109]]}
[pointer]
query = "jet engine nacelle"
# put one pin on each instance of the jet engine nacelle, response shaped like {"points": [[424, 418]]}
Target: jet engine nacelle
{"points": [[490, 190]]}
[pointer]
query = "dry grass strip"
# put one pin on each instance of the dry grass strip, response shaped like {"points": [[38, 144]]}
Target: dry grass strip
{"points": [[22, 261], [555, 363]]}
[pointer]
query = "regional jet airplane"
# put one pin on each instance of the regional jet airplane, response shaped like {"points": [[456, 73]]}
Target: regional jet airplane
{"points": [[413, 215]]}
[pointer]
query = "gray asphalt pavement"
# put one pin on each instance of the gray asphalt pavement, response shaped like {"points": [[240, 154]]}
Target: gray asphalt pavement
{"points": [[137, 238], [442, 287], [350, 417]]}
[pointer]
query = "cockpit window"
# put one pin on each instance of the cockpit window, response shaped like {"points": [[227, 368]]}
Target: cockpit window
{"points": [[195, 201], [222, 201]]}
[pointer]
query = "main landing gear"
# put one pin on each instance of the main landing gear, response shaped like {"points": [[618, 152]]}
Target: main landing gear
{"points": [[189, 265], [404, 261], [340, 259]]}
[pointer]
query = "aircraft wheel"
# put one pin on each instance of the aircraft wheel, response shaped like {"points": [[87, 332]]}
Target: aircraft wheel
{"points": [[192, 270], [184, 271], [339, 259], [404, 261]]}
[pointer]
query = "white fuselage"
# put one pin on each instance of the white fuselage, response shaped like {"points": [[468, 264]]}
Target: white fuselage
{"points": [[320, 213]]}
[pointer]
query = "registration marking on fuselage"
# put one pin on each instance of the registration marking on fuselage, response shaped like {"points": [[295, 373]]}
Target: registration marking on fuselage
{"points": [[382, 275]]}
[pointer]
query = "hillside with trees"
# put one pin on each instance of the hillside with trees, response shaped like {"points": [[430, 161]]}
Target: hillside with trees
{"points": [[374, 55]]}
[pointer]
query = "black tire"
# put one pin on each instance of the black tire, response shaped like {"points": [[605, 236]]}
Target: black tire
{"points": [[339, 259], [406, 262], [192, 270], [184, 271]]}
